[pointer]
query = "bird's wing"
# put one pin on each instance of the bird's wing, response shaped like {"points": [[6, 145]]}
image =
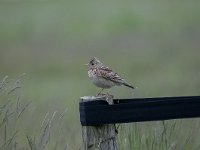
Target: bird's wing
{"points": [[109, 74]]}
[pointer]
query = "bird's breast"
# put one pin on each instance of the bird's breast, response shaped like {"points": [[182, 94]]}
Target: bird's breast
{"points": [[99, 81]]}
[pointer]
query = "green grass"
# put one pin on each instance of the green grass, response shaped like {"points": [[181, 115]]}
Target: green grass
{"points": [[153, 44], [174, 134]]}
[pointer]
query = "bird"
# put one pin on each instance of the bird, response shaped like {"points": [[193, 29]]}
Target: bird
{"points": [[104, 77]]}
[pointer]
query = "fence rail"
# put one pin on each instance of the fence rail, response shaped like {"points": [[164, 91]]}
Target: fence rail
{"points": [[139, 109], [98, 115]]}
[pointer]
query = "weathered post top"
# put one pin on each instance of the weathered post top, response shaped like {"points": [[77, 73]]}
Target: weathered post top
{"points": [[108, 98]]}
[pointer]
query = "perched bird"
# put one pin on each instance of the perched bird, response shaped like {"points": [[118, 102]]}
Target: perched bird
{"points": [[104, 77]]}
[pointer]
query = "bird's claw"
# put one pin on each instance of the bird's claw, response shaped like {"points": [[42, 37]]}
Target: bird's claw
{"points": [[103, 94], [100, 94]]}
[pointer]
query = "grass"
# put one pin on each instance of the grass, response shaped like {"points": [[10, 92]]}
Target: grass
{"points": [[12, 112], [154, 45], [173, 135]]}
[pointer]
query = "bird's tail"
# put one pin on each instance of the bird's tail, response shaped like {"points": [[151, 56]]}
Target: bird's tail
{"points": [[130, 86]]}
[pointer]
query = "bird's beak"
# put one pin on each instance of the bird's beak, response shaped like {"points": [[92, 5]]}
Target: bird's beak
{"points": [[86, 64]]}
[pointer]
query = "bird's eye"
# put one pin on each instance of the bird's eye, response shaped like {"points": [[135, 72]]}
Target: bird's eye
{"points": [[92, 64]]}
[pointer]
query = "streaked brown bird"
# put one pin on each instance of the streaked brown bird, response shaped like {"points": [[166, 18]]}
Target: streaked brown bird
{"points": [[104, 77]]}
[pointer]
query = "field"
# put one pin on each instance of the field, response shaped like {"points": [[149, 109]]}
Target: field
{"points": [[45, 44]]}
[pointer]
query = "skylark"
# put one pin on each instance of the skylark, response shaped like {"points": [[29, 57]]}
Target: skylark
{"points": [[104, 77]]}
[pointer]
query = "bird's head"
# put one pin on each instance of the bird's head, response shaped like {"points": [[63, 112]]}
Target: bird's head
{"points": [[93, 63]]}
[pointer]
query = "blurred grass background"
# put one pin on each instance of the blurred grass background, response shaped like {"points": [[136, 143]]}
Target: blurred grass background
{"points": [[153, 44]]}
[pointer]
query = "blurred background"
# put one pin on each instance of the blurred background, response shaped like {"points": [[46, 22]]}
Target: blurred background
{"points": [[155, 45]]}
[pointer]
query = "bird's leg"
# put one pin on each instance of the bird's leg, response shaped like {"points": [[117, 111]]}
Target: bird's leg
{"points": [[110, 95], [100, 92]]}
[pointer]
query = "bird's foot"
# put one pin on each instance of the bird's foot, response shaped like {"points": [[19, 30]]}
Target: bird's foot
{"points": [[109, 95], [101, 94]]}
